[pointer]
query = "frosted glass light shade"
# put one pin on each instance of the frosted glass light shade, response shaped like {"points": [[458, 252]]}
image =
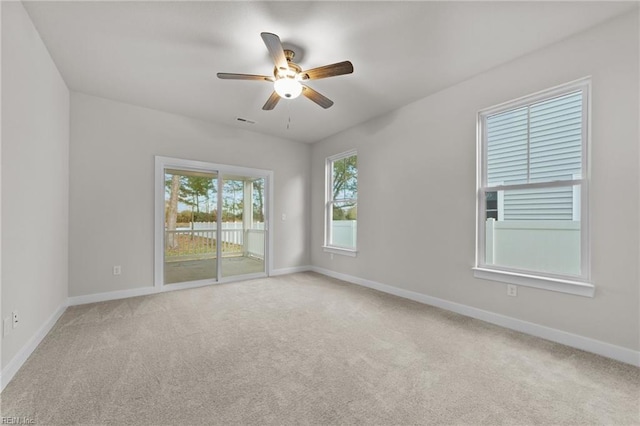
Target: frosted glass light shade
{"points": [[288, 88]]}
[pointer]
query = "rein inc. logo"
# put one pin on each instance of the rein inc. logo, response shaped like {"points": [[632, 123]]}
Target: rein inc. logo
{"points": [[17, 420]]}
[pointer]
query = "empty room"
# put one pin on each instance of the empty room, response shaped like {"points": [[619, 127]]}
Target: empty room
{"points": [[320, 212]]}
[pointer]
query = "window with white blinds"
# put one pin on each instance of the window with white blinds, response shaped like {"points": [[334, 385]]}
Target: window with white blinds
{"points": [[532, 186], [537, 143]]}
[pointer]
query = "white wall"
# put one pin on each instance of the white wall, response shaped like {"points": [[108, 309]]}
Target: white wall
{"points": [[35, 181], [417, 171], [111, 200]]}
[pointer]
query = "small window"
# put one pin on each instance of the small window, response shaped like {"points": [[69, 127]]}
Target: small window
{"points": [[532, 191], [341, 207]]}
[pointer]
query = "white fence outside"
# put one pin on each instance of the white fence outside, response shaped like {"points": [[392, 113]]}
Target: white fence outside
{"points": [[539, 245], [343, 233], [225, 225], [203, 238]]}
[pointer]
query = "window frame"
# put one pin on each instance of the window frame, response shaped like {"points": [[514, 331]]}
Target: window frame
{"points": [[579, 285], [329, 202]]}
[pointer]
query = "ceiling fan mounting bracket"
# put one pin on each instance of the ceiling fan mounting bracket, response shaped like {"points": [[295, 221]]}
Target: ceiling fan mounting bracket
{"points": [[289, 54]]}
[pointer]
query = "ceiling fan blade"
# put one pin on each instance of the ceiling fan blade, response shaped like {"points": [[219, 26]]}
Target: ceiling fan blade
{"points": [[332, 70], [271, 102], [276, 51], [231, 76], [316, 97]]}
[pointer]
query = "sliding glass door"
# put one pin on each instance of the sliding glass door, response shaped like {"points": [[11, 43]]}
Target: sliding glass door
{"points": [[211, 222], [243, 230], [190, 240]]}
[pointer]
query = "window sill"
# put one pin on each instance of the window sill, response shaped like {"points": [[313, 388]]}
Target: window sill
{"points": [[341, 251], [535, 281]]}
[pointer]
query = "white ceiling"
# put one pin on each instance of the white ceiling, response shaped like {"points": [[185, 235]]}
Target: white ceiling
{"points": [[165, 55]]}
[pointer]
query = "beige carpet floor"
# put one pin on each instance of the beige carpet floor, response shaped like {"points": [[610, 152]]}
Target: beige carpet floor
{"points": [[307, 349]]}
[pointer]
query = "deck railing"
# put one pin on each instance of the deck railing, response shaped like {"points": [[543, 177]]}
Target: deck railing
{"points": [[255, 243], [181, 244]]}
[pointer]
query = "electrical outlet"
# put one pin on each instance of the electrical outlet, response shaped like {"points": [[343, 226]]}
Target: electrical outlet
{"points": [[512, 290], [284, 216], [117, 270], [6, 326], [14, 315]]}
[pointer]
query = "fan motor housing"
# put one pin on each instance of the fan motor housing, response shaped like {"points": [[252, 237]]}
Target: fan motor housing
{"points": [[294, 69]]}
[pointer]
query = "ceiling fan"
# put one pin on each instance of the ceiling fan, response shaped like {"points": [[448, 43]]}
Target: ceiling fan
{"points": [[288, 78]]}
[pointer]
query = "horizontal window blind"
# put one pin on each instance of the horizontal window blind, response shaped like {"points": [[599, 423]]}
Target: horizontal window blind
{"points": [[541, 142]]}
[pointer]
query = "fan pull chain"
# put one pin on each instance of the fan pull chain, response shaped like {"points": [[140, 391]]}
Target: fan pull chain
{"points": [[289, 113]]}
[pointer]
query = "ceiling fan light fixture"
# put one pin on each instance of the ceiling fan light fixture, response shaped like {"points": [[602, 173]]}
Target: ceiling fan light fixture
{"points": [[288, 76], [288, 87]]}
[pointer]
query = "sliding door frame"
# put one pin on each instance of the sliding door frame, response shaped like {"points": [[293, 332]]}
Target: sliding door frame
{"points": [[163, 163]]}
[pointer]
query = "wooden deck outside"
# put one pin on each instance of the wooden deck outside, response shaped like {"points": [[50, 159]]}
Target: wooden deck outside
{"points": [[201, 269]]}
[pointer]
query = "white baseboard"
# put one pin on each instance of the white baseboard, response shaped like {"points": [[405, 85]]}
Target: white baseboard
{"points": [[23, 354], [292, 270], [112, 295], [608, 350]]}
